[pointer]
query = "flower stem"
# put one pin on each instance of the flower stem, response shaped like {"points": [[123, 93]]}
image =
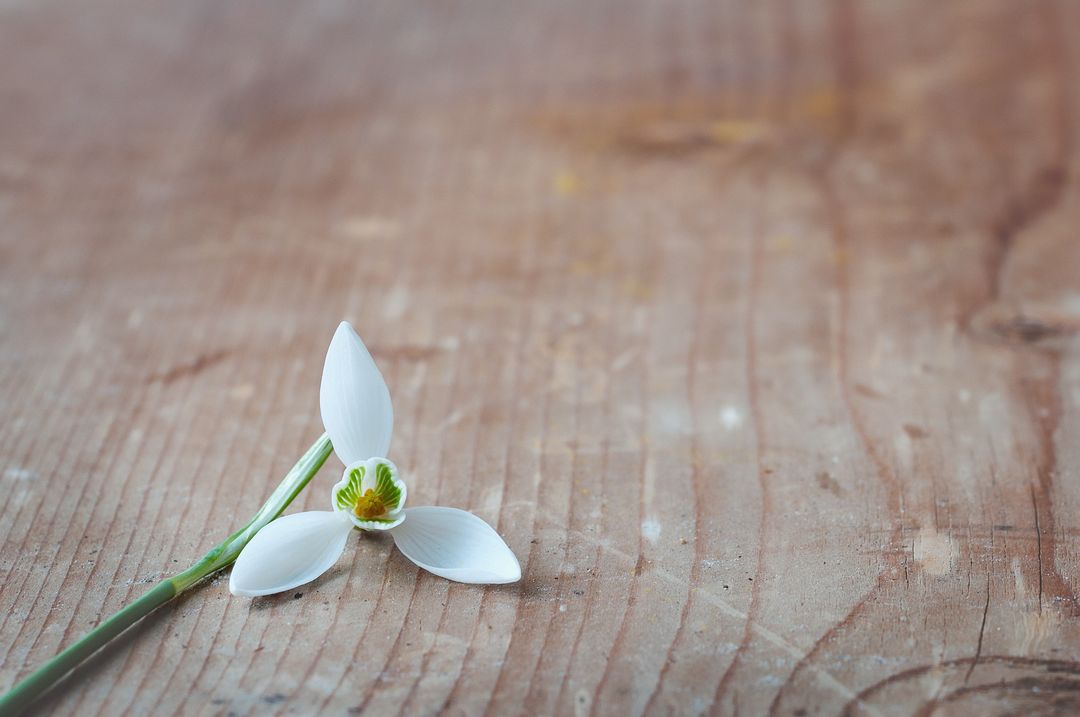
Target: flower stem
{"points": [[32, 686]]}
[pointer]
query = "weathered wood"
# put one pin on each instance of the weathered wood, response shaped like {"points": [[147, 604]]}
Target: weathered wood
{"points": [[753, 327]]}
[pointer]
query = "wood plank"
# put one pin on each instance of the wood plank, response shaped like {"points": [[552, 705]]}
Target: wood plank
{"points": [[752, 326]]}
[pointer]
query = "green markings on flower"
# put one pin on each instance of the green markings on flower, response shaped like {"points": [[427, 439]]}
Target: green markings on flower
{"points": [[385, 487], [348, 496], [371, 494]]}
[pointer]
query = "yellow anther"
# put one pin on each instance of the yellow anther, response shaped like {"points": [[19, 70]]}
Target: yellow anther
{"points": [[369, 505]]}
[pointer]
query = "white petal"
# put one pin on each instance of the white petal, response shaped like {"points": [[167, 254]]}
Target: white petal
{"points": [[292, 550], [456, 545], [354, 400]]}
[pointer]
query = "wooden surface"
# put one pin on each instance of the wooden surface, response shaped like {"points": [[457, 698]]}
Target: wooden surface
{"points": [[753, 327]]}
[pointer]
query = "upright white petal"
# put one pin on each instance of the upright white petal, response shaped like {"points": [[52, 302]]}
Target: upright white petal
{"points": [[456, 545], [354, 400], [288, 552]]}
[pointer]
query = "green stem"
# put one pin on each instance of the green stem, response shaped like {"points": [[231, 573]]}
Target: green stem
{"points": [[31, 687]]}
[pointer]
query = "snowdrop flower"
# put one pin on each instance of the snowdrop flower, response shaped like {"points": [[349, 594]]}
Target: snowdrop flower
{"points": [[357, 413]]}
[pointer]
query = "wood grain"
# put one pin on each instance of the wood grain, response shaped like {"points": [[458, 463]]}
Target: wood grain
{"points": [[752, 326]]}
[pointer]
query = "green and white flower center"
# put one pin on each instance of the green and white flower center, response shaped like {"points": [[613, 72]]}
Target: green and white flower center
{"points": [[371, 495]]}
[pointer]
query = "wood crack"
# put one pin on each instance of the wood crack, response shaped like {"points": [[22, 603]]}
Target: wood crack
{"points": [[187, 370], [982, 631], [1038, 545]]}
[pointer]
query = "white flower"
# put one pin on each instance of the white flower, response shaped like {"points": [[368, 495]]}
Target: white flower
{"points": [[357, 413]]}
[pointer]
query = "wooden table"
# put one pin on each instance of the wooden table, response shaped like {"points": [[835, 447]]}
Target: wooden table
{"points": [[752, 326]]}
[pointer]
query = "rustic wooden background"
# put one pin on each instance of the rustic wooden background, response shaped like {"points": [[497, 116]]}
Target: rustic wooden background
{"points": [[753, 327]]}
